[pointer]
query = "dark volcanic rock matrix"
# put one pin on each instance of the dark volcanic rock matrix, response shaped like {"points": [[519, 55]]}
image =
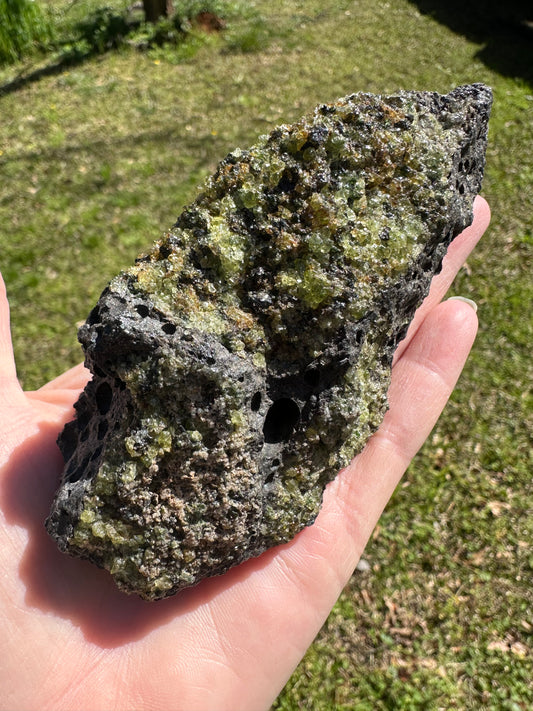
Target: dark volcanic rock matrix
{"points": [[246, 358]]}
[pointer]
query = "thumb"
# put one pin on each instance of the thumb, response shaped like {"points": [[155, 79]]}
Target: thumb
{"points": [[9, 384]]}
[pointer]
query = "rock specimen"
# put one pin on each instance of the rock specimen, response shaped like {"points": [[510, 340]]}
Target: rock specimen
{"points": [[246, 358]]}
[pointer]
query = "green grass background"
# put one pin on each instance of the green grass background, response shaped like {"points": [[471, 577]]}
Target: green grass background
{"points": [[97, 159]]}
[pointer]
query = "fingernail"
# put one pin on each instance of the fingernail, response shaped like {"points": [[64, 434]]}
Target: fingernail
{"points": [[470, 302]]}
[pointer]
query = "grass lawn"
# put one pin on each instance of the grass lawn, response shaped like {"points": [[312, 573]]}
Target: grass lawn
{"points": [[97, 159]]}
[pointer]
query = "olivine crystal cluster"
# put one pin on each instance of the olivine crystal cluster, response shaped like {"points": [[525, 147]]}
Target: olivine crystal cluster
{"points": [[246, 358]]}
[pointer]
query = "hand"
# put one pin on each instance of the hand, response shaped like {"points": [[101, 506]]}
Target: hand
{"points": [[71, 640]]}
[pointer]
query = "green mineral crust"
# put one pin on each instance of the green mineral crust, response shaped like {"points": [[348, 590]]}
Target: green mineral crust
{"points": [[245, 359]]}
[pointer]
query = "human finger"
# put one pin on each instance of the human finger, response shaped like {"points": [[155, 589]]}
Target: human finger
{"points": [[309, 573], [7, 359], [422, 381], [73, 379], [10, 390], [457, 254]]}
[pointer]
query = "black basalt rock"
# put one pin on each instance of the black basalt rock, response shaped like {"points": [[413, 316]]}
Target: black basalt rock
{"points": [[246, 358]]}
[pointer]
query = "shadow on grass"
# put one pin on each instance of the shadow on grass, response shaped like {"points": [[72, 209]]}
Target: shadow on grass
{"points": [[100, 32], [105, 30], [201, 154], [504, 28], [25, 78]]}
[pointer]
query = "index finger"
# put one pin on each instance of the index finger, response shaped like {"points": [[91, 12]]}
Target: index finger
{"points": [[456, 256]]}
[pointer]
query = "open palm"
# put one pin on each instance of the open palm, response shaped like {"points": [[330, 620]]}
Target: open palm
{"points": [[70, 640]]}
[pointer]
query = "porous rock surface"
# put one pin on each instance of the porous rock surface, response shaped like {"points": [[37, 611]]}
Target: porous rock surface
{"points": [[246, 358]]}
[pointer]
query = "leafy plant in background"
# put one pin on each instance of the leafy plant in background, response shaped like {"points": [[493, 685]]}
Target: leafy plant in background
{"points": [[102, 30], [24, 26], [183, 24]]}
